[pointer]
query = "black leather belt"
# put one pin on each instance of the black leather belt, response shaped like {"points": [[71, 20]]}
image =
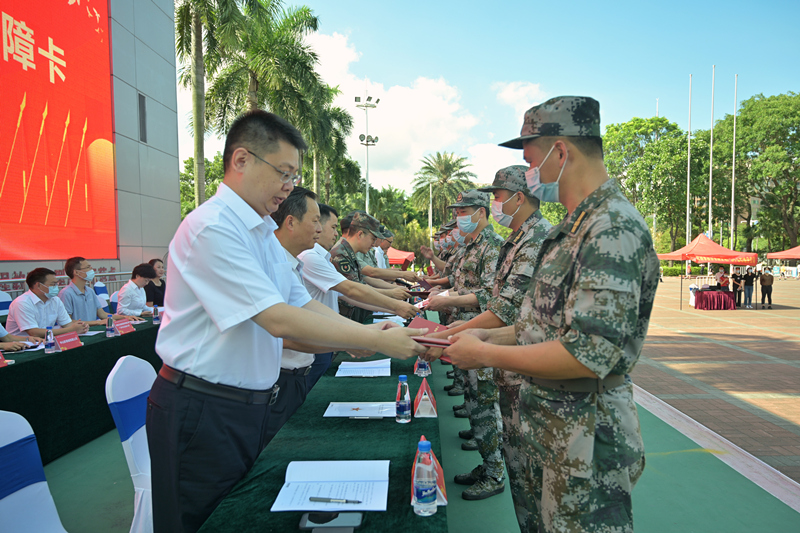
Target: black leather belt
{"points": [[306, 370], [600, 386], [193, 383]]}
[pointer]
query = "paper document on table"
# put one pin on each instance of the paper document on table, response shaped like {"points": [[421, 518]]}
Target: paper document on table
{"points": [[32, 347], [360, 409], [370, 369], [90, 333], [363, 481]]}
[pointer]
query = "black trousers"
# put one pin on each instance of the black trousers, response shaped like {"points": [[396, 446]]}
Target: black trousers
{"points": [[766, 292], [294, 390], [200, 447], [738, 297]]}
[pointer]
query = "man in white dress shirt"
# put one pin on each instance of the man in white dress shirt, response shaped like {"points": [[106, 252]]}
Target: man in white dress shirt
{"points": [[232, 304], [382, 250], [33, 312], [132, 300]]}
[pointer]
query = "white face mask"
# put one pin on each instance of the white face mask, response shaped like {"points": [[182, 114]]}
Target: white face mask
{"points": [[497, 212]]}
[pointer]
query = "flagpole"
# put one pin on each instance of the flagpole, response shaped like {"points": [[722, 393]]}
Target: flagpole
{"points": [[733, 164], [688, 171]]}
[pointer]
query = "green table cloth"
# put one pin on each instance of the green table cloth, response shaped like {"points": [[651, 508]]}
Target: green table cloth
{"points": [[62, 395], [308, 436]]}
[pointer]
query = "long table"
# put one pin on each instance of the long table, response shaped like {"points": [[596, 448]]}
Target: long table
{"points": [[714, 300], [309, 437], [62, 395]]}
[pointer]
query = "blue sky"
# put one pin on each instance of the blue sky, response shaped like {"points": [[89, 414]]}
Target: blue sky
{"points": [[456, 76]]}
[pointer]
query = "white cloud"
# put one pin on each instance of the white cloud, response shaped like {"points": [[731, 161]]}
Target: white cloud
{"points": [[521, 95], [487, 159]]}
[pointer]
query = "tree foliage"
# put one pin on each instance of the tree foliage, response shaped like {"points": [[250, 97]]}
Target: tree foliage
{"points": [[214, 174], [443, 175]]}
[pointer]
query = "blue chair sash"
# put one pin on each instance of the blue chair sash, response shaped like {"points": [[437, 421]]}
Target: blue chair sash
{"points": [[129, 415], [20, 466]]}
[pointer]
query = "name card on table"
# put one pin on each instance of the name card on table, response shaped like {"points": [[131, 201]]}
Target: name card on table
{"points": [[68, 341], [441, 491], [124, 326], [2, 360], [424, 402]]}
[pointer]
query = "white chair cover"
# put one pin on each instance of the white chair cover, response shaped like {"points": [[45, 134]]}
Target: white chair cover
{"points": [[101, 290], [113, 301], [127, 388], [30, 508], [5, 302]]}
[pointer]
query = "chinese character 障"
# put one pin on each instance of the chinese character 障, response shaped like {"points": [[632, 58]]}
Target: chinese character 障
{"points": [[18, 41]]}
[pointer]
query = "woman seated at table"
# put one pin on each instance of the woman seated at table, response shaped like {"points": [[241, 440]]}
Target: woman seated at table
{"points": [[132, 300], [154, 290], [13, 343]]}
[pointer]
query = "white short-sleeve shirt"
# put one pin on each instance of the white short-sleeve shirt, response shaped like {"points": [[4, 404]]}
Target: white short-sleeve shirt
{"points": [[380, 257], [226, 266], [320, 276], [28, 311], [291, 359], [132, 300]]}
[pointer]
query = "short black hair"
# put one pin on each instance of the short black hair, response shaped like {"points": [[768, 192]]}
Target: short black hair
{"points": [[260, 131], [326, 211], [71, 264], [38, 275], [153, 262], [295, 205], [591, 147], [145, 270]]}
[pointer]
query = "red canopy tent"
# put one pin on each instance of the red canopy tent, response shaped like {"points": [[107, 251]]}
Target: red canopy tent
{"points": [[704, 250], [399, 257], [791, 253]]}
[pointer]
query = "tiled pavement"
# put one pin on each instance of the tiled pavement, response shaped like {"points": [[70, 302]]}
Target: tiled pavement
{"points": [[736, 372]]}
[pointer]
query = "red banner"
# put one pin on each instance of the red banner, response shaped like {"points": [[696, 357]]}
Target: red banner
{"points": [[56, 145]]}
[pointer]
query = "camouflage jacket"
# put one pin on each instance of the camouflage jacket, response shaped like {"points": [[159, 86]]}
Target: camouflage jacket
{"points": [[476, 269], [367, 259], [514, 272], [515, 267], [593, 290]]}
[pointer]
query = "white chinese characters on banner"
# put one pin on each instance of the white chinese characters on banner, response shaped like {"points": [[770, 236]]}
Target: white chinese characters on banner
{"points": [[18, 43]]}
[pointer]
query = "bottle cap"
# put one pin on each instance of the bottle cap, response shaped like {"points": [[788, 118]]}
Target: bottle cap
{"points": [[424, 446], [403, 378]]}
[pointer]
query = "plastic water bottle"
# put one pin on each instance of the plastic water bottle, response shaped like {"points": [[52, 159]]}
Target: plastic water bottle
{"points": [[424, 481], [423, 368], [156, 317], [110, 327], [403, 404], [49, 341]]}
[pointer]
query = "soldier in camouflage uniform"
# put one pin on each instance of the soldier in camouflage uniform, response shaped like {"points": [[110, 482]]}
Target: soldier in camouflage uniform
{"points": [[473, 279], [343, 257], [581, 328]]}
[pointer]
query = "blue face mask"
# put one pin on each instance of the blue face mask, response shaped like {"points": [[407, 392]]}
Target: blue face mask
{"points": [[89, 275], [458, 237], [52, 292], [465, 223], [497, 212], [546, 192]]}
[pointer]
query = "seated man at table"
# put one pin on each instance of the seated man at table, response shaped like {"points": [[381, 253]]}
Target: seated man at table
{"points": [[13, 343], [80, 300], [34, 311], [132, 300]]}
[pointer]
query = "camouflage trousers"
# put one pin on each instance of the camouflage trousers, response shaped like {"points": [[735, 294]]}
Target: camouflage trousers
{"points": [[517, 462], [482, 397]]}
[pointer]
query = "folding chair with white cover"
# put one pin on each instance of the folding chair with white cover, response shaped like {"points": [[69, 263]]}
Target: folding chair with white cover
{"points": [[5, 303], [112, 303], [25, 500], [101, 290], [127, 388]]}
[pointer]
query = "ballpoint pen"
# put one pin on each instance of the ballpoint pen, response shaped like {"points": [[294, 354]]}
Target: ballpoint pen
{"points": [[331, 500]]}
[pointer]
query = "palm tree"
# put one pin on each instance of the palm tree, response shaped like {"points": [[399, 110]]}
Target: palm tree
{"points": [[203, 30], [330, 126], [388, 206], [443, 176], [269, 68]]}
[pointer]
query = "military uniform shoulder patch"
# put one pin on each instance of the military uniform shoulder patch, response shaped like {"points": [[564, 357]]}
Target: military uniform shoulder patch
{"points": [[345, 266], [577, 223]]}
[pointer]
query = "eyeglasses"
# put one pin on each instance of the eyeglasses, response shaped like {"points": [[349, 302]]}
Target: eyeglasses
{"points": [[285, 176]]}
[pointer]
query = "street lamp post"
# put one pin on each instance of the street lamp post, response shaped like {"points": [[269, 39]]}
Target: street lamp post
{"points": [[366, 139]]}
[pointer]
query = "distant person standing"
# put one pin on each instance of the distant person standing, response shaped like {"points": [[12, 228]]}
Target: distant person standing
{"points": [[749, 279], [719, 275], [737, 285], [766, 280]]}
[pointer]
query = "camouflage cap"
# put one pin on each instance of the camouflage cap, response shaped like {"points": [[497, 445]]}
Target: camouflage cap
{"points": [[511, 179], [386, 232], [562, 116], [366, 222], [450, 224], [471, 198]]}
